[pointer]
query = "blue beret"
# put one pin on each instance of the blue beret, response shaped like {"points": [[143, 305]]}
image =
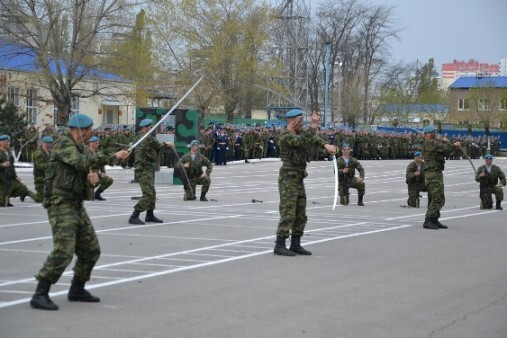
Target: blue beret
{"points": [[4, 138], [489, 156], [80, 121], [346, 145], [93, 139], [194, 142], [428, 129], [47, 139], [417, 154], [293, 113], [145, 123]]}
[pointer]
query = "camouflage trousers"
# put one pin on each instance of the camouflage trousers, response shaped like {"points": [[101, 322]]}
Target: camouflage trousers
{"points": [[360, 186], [487, 199], [146, 181], [436, 199], [73, 233], [190, 192], [104, 183], [292, 203], [16, 189]]}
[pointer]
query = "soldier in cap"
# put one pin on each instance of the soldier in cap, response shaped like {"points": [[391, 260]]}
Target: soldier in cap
{"points": [[296, 147], [104, 180], [435, 151], [347, 166], [414, 177], [147, 153], [40, 164], [10, 183], [192, 163], [492, 181], [67, 182]]}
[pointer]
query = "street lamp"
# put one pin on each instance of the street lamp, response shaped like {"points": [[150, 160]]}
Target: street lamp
{"points": [[326, 88]]}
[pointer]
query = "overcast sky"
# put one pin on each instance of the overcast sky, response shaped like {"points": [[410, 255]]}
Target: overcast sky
{"points": [[448, 30]]}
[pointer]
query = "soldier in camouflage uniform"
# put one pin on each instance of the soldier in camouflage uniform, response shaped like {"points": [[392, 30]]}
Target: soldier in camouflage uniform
{"points": [[434, 152], [414, 177], [192, 163], [147, 153], [40, 164], [347, 166], [66, 185], [10, 183], [492, 180], [104, 180], [295, 145]]}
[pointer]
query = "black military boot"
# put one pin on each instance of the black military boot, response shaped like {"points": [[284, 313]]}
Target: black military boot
{"points": [[77, 293], [150, 217], [360, 201], [430, 224], [440, 225], [203, 197], [22, 197], [499, 205], [40, 299], [281, 249], [295, 246], [134, 218], [97, 195]]}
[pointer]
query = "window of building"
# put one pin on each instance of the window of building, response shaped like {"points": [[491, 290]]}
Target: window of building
{"points": [[31, 106], [74, 106], [463, 104], [13, 95], [503, 104], [483, 104]]}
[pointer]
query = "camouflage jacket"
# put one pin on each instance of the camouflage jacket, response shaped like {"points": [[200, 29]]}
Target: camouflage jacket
{"points": [[353, 165], [297, 149], [496, 174], [434, 153], [147, 152], [410, 178], [7, 173], [196, 164], [40, 164], [67, 171]]}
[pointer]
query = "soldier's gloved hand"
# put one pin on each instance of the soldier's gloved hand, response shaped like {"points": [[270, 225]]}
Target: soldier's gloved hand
{"points": [[93, 178], [482, 174]]}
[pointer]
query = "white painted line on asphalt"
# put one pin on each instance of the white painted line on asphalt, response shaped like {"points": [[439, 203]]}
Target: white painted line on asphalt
{"points": [[190, 267]]}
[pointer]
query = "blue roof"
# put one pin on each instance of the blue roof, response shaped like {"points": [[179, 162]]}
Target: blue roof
{"points": [[22, 58], [477, 82]]}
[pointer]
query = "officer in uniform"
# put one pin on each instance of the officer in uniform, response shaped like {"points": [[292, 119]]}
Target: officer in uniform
{"points": [[10, 183], [347, 166], [434, 151], [104, 180], [492, 180], [147, 153], [296, 146], [414, 177], [192, 164], [67, 181], [40, 164]]}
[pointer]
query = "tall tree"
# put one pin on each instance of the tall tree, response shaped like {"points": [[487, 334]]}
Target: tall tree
{"points": [[132, 58], [223, 39], [65, 36]]}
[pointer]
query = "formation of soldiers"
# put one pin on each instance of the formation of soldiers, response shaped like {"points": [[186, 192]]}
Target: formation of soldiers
{"points": [[258, 142], [223, 143]]}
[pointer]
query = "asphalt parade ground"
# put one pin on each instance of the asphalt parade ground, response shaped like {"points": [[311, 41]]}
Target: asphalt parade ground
{"points": [[209, 269]]}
